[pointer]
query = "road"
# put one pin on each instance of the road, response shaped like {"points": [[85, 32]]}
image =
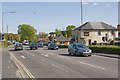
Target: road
{"points": [[43, 63]]}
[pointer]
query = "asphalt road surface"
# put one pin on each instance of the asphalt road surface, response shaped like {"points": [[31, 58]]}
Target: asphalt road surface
{"points": [[43, 63]]}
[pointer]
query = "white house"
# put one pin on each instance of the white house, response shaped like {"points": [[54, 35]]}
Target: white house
{"points": [[95, 32]]}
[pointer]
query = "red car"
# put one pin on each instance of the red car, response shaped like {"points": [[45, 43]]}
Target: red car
{"points": [[18, 46]]}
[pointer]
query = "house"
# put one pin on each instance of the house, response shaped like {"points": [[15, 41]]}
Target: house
{"points": [[61, 40], [44, 39], [118, 27], [95, 32]]}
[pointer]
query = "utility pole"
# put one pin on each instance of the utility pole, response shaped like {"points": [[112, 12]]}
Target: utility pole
{"points": [[7, 29]]}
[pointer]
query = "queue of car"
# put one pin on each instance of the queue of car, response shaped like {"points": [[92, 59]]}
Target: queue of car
{"points": [[73, 49]]}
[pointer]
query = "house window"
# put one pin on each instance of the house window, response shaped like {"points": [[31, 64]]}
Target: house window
{"points": [[112, 32], [99, 33], [119, 34], [61, 42], [86, 33]]}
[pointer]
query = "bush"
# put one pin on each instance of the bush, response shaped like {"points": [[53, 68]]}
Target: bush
{"points": [[105, 49], [63, 46]]}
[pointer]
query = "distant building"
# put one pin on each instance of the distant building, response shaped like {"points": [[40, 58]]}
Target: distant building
{"points": [[118, 27], [61, 40], [95, 32]]}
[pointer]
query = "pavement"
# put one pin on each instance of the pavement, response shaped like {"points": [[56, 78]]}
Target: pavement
{"points": [[43, 63], [8, 67]]}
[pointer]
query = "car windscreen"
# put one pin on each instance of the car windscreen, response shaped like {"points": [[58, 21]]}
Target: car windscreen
{"points": [[81, 46], [18, 45], [33, 44], [54, 45]]}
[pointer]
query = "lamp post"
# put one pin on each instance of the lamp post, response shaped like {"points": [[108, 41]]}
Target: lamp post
{"points": [[2, 18]]}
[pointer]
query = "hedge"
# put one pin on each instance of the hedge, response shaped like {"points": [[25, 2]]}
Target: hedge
{"points": [[105, 49], [63, 46]]}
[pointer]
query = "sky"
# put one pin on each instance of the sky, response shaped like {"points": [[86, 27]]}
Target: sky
{"points": [[47, 16]]}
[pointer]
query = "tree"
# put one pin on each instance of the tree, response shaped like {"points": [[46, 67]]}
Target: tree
{"points": [[64, 33], [42, 34], [27, 32], [17, 37], [9, 36], [58, 32], [69, 29]]}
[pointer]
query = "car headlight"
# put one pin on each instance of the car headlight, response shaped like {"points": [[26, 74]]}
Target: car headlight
{"points": [[90, 50]]}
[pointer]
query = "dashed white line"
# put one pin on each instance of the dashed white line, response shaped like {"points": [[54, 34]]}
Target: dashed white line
{"points": [[9, 61], [45, 55], [31, 54], [68, 58], [58, 67], [92, 65], [62, 56], [23, 56], [51, 53], [105, 57]]}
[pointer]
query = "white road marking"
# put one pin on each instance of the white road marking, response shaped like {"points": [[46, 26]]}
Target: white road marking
{"points": [[22, 66], [65, 57], [58, 67], [62, 56], [51, 53], [9, 61], [23, 56], [45, 55], [68, 58], [8, 67], [105, 57], [31, 54], [92, 65]]}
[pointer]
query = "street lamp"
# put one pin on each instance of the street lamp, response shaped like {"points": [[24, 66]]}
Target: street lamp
{"points": [[2, 18]]}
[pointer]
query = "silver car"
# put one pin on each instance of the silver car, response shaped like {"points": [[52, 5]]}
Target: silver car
{"points": [[79, 49]]}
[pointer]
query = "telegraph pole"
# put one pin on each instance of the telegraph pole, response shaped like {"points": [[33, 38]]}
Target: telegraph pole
{"points": [[7, 29]]}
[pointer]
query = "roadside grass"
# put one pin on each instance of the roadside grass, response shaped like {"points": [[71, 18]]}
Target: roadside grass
{"points": [[2, 45]]}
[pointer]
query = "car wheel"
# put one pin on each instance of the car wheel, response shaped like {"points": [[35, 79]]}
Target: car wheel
{"points": [[69, 52], [89, 55]]}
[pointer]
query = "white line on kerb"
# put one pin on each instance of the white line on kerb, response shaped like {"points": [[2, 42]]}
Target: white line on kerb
{"points": [[92, 65]]}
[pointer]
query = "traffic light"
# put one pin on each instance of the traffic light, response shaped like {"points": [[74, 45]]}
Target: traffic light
{"points": [[2, 36]]}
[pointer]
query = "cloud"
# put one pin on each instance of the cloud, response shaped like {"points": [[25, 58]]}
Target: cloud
{"points": [[107, 5], [94, 4]]}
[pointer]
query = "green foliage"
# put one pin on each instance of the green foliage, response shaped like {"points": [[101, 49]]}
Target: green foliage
{"points": [[42, 34], [27, 32], [105, 49], [64, 33], [69, 29], [58, 32]]}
